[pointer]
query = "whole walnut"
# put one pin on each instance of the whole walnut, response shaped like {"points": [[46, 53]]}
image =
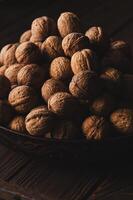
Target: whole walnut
{"points": [[22, 99], [95, 128], [63, 104], [18, 124], [83, 60], [103, 105], [6, 112], [25, 37], [67, 23], [74, 42], [12, 71], [122, 120], [50, 87], [27, 53], [7, 47], [31, 75], [5, 86], [60, 69], [85, 85], [39, 121], [8, 54], [3, 69], [52, 47], [43, 27]]}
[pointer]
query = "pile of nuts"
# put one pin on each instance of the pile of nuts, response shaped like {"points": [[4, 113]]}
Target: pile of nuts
{"points": [[59, 82]]}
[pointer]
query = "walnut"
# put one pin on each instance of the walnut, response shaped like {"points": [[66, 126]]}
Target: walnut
{"points": [[25, 37], [83, 60], [122, 120], [43, 27], [22, 99], [5, 87], [50, 87], [67, 23], [8, 54], [85, 85], [63, 104], [74, 42], [3, 51], [39, 121], [27, 53], [6, 112], [95, 128], [60, 69], [103, 105], [3, 69], [31, 75], [52, 47], [12, 71], [18, 124]]}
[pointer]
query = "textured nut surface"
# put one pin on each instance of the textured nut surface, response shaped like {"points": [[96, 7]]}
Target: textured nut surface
{"points": [[95, 128], [22, 99], [39, 121], [52, 47], [31, 75], [27, 53], [67, 23], [85, 85], [3, 69], [74, 42], [83, 60], [43, 27], [60, 68], [12, 71], [25, 37], [5, 87], [3, 51], [18, 124], [6, 112], [9, 55], [50, 87], [122, 120]]}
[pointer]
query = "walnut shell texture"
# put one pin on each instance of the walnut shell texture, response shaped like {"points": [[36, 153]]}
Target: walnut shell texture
{"points": [[18, 124], [9, 55], [3, 69], [25, 37]]}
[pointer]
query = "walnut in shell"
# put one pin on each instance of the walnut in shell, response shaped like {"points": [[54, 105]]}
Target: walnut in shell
{"points": [[7, 47], [18, 124], [3, 69], [5, 87], [8, 54], [25, 37], [6, 112]]}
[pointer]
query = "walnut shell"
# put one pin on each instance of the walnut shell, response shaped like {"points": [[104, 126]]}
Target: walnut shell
{"points": [[67, 23], [5, 87], [27, 53], [60, 69], [43, 27], [22, 99], [63, 104], [18, 124], [3, 51], [31, 75], [74, 42], [50, 87], [12, 71], [83, 60], [25, 37], [6, 112], [95, 128], [52, 47], [122, 120], [8, 54], [85, 85], [39, 121], [3, 69]]}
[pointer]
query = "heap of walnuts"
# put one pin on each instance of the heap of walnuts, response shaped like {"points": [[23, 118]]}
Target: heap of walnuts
{"points": [[59, 81]]}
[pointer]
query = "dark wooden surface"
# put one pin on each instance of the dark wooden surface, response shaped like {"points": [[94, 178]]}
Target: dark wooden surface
{"points": [[23, 177]]}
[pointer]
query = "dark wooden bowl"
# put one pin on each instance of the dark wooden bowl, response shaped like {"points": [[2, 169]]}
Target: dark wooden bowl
{"points": [[114, 148]]}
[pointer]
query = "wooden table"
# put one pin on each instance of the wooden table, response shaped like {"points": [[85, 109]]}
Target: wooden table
{"points": [[23, 177]]}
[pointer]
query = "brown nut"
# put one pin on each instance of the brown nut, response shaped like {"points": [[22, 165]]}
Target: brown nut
{"points": [[122, 120], [42, 27], [85, 85], [39, 121], [5, 87], [12, 71], [7, 47], [50, 87], [67, 23], [25, 37], [60, 69], [95, 128], [22, 99], [52, 47], [74, 42], [83, 60], [6, 112], [31, 75], [18, 124], [63, 104], [3, 69], [27, 53], [8, 54]]}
